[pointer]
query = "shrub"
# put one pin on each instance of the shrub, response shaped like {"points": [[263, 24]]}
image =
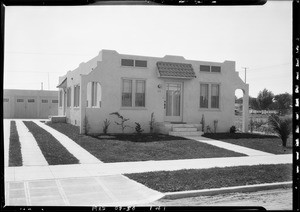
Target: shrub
{"points": [[138, 128], [251, 124], [106, 124], [151, 123], [282, 127], [232, 129], [86, 125], [122, 121], [202, 122], [215, 125]]}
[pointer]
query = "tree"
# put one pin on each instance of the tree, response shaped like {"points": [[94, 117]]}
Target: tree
{"points": [[284, 102], [253, 104], [265, 99], [281, 126]]}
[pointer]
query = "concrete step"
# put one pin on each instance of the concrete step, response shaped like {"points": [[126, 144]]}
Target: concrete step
{"points": [[182, 125], [184, 129], [197, 133]]}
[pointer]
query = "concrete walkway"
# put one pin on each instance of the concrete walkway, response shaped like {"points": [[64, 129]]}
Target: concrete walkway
{"points": [[113, 190], [31, 153], [232, 147], [85, 170], [81, 154]]}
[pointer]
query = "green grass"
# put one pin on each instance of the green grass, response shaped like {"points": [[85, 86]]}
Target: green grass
{"points": [[54, 152], [157, 147], [15, 155], [194, 179], [266, 143]]}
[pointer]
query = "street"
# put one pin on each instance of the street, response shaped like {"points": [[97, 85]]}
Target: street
{"points": [[277, 199]]}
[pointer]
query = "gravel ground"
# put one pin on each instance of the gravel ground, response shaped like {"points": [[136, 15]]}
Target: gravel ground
{"points": [[277, 199]]}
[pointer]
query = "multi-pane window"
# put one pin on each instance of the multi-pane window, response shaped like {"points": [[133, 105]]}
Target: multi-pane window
{"points": [[215, 69], [140, 93], [204, 68], [215, 91], [5, 100], [207, 68], [127, 62], [209, 95], [44, 101], [30, 100], [140, 63], [60, 98], [20, 100], [133, 93], [127, 93], [69, 97], [55, 101], [203, 95], [134, 63], [94, 94], [76, 95]]}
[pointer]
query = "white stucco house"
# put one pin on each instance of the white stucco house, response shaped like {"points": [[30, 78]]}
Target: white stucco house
{"points": [[176, 90]]}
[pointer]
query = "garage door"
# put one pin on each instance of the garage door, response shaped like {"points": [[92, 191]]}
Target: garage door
{"points": [[26, 107]]}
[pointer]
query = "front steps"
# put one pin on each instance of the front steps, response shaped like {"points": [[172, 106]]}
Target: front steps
{"points": [[179, 129]]}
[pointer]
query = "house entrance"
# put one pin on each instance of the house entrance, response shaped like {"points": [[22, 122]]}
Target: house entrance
{"points": [[173, 105]]}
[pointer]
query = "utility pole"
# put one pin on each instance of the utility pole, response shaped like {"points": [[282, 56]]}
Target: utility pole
{"points": [[245, 73]]}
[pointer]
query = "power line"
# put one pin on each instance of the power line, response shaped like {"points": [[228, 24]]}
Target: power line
{"points": [[259, 68]]}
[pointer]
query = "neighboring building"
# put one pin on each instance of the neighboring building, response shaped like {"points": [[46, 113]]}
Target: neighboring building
{"points": [[29, 104], [175, 89]]}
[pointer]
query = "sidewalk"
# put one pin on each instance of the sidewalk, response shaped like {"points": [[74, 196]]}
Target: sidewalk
{"points": [[232, 147]]}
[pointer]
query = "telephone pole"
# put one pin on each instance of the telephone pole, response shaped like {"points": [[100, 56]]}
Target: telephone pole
{"points": [[245, 73]]}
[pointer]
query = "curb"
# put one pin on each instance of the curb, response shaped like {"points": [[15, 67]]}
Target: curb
{"points": [[217, 191]]}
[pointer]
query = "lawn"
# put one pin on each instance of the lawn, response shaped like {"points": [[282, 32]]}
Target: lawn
{"points": [[15, 155], [125, 148], [54, 152], [266, 143], [194, 179]]}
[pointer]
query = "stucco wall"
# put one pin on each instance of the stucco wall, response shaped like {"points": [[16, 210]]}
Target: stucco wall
{"points": [[109, 73]]}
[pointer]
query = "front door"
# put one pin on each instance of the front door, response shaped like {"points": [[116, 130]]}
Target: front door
{"points": [[173, 105]]}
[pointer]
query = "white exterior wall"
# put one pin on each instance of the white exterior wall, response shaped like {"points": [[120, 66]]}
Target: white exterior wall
{"points": [[109, 73]]}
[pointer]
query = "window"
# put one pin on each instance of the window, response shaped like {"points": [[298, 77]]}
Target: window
{"points": [[204, 68], [60, 98], [94, 94], [69, 97], [215, 96], [127, 62], [127, 93], [55, 101], [20, 100], [76, 95], [140, 63], [133, 97], [216, 69], [30, 100], [203, 95], [44, 101], [5, 100], [140, 93]]}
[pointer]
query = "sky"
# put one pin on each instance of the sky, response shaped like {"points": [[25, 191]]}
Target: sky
{"points": [[43, 43]]}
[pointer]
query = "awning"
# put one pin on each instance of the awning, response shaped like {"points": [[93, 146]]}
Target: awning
{"points": [[63, 84], [175, 70]]}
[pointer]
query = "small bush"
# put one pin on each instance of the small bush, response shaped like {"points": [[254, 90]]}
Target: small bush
{"points": [[122, 121], [151, 123], [105, 126], [138, 128], [232, 129], [282, 127], [202, 122]]}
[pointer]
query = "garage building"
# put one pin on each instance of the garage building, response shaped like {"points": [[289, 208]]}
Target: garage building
{"points": [[29, 104]]}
